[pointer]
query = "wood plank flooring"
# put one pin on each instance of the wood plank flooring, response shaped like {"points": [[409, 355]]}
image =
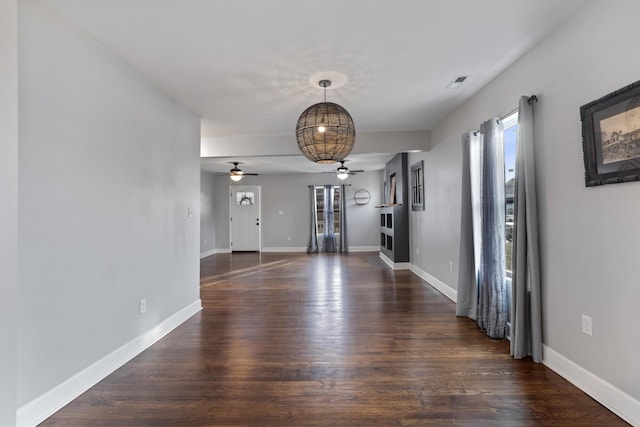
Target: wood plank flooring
{"points": [[328, 340]]}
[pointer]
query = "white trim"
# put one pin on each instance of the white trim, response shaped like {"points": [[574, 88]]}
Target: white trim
{"points": [[285, 249], [223, 250], [446, 290], [208, 253], [304, 249], [47, 404], [394, 265], [364, 248], [611, 397]]}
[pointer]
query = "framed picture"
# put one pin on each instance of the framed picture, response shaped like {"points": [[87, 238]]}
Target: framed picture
{"points": [[611, 137], [392, 189], [417, 186]]}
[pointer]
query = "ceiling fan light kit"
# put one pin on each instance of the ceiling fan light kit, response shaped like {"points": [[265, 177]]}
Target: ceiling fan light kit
{"points": [[325, 131], [236, 174], [343, 171]]}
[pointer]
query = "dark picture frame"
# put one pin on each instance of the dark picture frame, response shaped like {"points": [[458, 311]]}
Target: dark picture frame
{"points": [[392, 189], [611, 137], [417, 186]]}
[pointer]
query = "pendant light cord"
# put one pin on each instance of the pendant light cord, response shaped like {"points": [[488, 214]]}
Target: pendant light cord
{"points": [[325, 84]]}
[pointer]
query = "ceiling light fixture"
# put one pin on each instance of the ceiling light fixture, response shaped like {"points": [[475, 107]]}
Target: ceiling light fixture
{"points": [[343, 171], [325, 131], [236, 174]]}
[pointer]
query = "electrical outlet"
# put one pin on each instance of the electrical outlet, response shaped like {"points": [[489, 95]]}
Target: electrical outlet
{"points": [[142, 306], [189, 213], [417, 251], [587, 325], [451, 266]]}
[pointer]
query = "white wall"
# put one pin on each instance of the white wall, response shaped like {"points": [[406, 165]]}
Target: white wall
{"points": [[364, 220], [9, 208], [109, 167], [289, 193], [588, 236], [207, 208]]}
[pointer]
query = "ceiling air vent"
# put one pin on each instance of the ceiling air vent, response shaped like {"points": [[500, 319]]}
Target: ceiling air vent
{"points": [[457, 81]]}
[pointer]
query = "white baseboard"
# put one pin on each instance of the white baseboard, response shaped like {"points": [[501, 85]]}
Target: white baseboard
{"points": [[215, 251], [290, 249], [285, 249], [447, 291], [394, 265], [304, 249], [50, 402], [364, 248], [614, 399], [208, 253]]}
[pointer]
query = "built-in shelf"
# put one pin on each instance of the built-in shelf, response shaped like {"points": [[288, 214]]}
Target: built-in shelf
{"points": [[394, 217]]}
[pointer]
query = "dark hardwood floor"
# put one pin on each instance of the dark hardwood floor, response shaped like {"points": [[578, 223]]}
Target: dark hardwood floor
{"points": [[328, 340]]}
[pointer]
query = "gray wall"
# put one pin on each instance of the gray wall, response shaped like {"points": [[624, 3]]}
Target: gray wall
{"points": [[289, 193], [9, 209], [109, 167], [588, 236], [207, 208], [221, 212]]}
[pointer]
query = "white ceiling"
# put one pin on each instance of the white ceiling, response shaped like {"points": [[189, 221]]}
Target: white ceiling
{"points": [[293, 164], [245, 66]]}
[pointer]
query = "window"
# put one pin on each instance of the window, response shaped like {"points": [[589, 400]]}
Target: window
{"points": [[333, 212], [245, 197], [510, 133], [417, 186]]}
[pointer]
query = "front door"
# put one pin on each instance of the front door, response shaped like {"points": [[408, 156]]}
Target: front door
{"points": [[244, 218]]}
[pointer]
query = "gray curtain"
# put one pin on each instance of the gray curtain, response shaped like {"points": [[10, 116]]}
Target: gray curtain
{"points": [[313, 239], [492, 299], [526, 323], [483, 280], [328, 236], [467, 301], [343, 245]]}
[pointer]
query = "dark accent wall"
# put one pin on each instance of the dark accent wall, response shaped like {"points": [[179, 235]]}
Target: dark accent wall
{"points": [[394, 220]]}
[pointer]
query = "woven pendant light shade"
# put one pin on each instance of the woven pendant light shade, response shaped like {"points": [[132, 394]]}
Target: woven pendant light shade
{"points": [[325, 132]]}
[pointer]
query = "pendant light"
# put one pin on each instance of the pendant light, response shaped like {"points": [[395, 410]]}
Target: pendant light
{"points": [[325, 131]]}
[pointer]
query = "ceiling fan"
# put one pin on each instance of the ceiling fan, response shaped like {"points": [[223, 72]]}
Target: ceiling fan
{"points": [[236, 173], [343, 172]]}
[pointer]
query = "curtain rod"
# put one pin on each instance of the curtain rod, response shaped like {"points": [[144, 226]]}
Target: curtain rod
{"points": [[530, 101], [346, 185]]}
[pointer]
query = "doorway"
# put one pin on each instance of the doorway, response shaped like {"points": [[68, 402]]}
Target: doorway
{"points": [[245, 229]]}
